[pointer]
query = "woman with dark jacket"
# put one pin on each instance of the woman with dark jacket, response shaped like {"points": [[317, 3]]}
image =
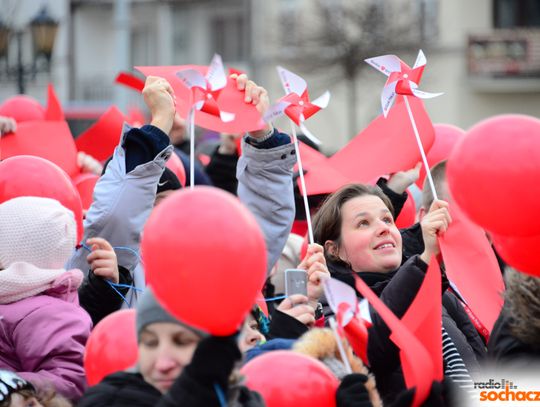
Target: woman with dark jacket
{"points": [[356, 227], [177, 365]]}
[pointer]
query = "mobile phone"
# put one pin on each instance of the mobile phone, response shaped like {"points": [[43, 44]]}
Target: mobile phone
{"points": [[295, 282]]}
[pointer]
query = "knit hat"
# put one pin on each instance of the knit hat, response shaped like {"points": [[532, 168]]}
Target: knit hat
{"points": [[150, 311], [35, 230], [168, 181]]}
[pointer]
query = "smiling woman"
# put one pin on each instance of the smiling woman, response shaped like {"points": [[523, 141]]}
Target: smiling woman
{"points": [[370, 239], [356, 227], [178, 365]]}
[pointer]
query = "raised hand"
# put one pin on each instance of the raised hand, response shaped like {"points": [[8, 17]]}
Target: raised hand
{"points": [[160, 99], [315, 265], [433, 225], [103, 260]]}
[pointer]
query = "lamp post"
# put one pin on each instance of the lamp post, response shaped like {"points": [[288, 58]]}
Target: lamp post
{"points": [[43, 30]]}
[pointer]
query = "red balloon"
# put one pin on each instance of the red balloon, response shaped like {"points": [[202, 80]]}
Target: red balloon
{"points": [[446, 137], [175, 165], [26, 175], [85, 184], [493, 171], [289, 379], [205, 257], [519, 252], [22, 108], [407, 216], [111, 347]]}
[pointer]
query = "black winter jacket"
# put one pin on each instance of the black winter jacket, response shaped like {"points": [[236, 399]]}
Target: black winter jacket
{"points": [[211, 365], [131, 390], [98, 298], [397, 290]]}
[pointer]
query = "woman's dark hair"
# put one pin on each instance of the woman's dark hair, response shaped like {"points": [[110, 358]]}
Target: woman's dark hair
{"points": [[327, 221]]}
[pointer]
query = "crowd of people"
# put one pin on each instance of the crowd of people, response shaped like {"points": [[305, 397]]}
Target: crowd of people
{"points": [[54, 289]]}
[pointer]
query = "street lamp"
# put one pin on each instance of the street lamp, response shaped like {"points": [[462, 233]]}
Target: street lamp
{"points": [[43, 30]]}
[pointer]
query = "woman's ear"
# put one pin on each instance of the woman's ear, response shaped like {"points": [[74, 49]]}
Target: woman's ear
{"points": [[331, 248]]}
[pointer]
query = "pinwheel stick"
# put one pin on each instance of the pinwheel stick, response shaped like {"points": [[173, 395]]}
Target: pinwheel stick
{"points": [[191, 121], [302, 183], [421, 148], [342, 353]]}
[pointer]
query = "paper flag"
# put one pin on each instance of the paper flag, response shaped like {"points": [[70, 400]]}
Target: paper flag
{"points": [[54, 108], [417, 365], [402, 80], [407, 216], [246, 116], [102, 137], [51, 140], [353, 321], [386, 145], [472, 266], [320, 175], [130, 80], [424, 317], [336, 293]]}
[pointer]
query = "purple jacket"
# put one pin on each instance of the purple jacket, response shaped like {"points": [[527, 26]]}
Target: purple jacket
{"points": [[42, 338]]}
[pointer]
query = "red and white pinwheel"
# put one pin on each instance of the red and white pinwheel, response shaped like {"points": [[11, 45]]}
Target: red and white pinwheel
{"points": [[299, 108], [205, 89], [204, 93], [296, 104], [353, 319], [402, 79]]}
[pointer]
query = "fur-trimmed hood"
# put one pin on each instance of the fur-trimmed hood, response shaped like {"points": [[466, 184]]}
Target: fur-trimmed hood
{"points": [[523, 302], [321, 344]]}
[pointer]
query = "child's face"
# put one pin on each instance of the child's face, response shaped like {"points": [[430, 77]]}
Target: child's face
{"points": [[18, 400]]}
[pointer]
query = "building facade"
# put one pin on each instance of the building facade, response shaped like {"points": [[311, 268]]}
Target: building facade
{"points": [[484, 55]]}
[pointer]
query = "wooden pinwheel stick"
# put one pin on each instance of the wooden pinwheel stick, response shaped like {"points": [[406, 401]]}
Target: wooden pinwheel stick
{"points": [[421, 148], [302, 183], [333, 325], [191, 121]]}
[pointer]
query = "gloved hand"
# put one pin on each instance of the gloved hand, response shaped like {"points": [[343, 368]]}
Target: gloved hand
{"points": [[214, 359], [352, 391]]}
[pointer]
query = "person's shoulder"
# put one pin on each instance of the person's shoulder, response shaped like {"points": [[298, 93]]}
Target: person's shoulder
{"points": [[47, 304], [35, 304], [121, 389]]}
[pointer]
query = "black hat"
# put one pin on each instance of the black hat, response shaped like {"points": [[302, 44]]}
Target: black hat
{"points": [[168, 181]]}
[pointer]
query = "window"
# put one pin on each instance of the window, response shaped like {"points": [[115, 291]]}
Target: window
{"points": [[289, 23], [516, 13], [429, 18], [142, 53], [229, 36]]}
